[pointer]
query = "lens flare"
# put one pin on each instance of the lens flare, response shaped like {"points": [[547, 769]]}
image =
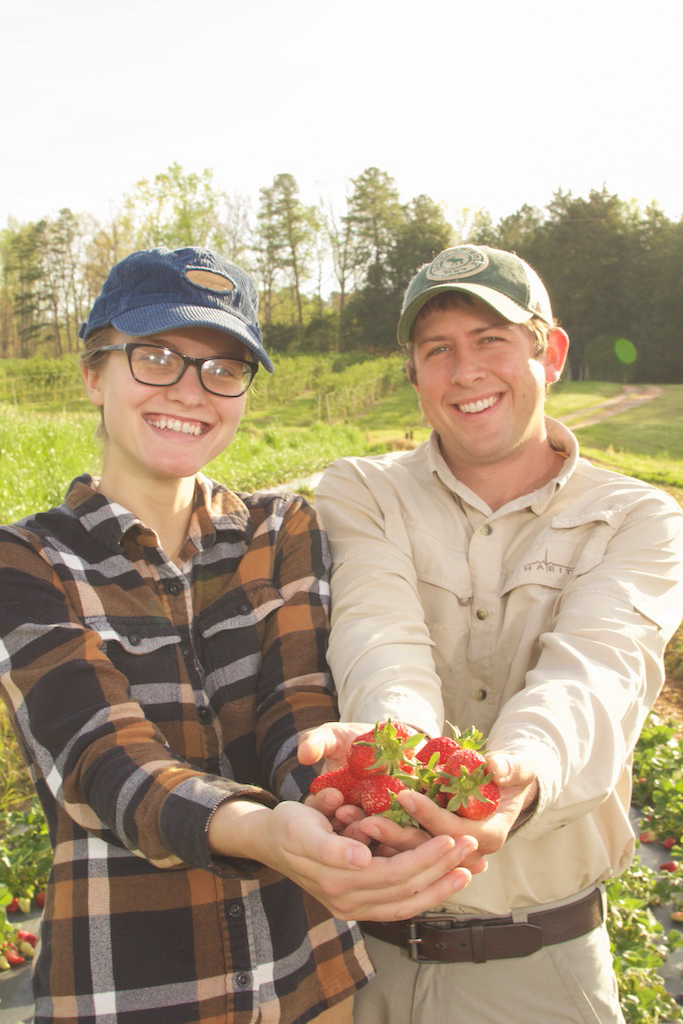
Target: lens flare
{"points": [[625, 351]]}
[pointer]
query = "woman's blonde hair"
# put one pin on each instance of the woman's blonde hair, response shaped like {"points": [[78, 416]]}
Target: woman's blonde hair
{"points": [[94, 360], [102, 336]]}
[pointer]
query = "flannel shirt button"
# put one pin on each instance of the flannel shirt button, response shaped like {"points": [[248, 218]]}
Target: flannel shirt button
{"points": [[244, 608], [242, 980], [174, 587], [134, 639], [235, 910], [186, 652], [203, 711]]}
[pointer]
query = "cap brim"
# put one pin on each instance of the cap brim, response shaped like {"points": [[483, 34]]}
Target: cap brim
{"points": [[152, 319], [507, 308]]}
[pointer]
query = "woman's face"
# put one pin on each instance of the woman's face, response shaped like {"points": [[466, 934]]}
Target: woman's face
{"points": [[169, 432]]}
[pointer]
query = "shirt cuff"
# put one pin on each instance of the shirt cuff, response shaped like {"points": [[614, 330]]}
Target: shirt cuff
{"points": [[185, 817]]}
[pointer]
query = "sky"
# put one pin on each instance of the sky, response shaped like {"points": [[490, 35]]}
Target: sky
{"points": [[487, 105]]}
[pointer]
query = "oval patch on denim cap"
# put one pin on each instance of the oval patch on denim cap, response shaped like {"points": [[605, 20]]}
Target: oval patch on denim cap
{"points": [[452, 264], [209, 279]]}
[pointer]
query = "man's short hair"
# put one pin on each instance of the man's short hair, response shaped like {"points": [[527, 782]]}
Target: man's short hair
{"points": [[446, 300]]}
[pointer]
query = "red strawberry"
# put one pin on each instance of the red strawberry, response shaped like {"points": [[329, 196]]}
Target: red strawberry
{"points": [[40, 898], [341, 779], [465, 788], [385, 750], [13, 958], [442, 746], [363, 756], [648, 836], [375, 792], [669, 842], [670, 865], [481, 803], [472, 762], [466, 758]]}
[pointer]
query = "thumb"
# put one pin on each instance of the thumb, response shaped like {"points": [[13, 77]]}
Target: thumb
{"points": [[509, 770], [313, 745]]}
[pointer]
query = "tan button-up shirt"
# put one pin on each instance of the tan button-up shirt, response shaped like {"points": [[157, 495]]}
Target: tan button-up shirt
{"points": [[543, 624]]}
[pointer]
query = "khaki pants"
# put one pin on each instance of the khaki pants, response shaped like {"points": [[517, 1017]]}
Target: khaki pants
{"points": [[568, 983]]}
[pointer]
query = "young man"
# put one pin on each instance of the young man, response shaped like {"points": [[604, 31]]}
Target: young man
{"points": [[494, 578]]}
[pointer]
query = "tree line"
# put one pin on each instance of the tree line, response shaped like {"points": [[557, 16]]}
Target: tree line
{"points": [[333, 279]]}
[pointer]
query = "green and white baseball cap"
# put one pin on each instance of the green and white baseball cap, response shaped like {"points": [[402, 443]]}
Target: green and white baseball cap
{"points": [[499, 278]]}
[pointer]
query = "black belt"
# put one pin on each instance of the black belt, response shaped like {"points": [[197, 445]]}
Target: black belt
{"points": [[442, 939]]}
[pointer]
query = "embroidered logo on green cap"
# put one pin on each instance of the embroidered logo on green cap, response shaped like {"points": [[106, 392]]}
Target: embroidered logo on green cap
{"points": [[453, 264]]}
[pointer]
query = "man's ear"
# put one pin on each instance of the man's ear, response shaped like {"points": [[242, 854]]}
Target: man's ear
{"points": [[93, 384], [555, 354], [410, 370]]}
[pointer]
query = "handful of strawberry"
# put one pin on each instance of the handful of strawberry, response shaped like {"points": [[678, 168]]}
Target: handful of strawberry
{"points": [[393, 757]]}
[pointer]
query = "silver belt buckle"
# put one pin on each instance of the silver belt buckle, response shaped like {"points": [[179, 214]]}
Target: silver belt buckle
{"points": [[414, 939]]}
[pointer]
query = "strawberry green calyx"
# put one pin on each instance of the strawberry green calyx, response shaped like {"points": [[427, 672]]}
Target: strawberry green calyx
{"points": [[466, 787], [471, 739], [387, 750], [399, 814]]}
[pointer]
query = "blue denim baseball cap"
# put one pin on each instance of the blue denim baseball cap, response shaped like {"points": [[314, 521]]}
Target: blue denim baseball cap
{"points": [[156, 290], [501, 279]]}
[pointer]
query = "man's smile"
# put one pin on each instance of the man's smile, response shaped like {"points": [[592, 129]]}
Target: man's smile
{"points": [[479, 405]]}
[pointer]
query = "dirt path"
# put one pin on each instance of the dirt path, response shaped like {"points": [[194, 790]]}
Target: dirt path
{"points": [[632, 395]]}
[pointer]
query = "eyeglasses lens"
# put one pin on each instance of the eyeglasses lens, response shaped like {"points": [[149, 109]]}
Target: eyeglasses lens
{"points": [[163, 367]]}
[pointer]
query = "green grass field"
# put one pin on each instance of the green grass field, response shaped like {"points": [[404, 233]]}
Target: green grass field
{"points": [[42, 451]]}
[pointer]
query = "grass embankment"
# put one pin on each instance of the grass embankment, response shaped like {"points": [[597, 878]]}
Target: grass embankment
{"points": [[645, 441], [286, 438]]}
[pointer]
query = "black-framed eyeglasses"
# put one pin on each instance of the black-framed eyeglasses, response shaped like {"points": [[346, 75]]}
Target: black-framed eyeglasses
{"points": [[160, 367]]}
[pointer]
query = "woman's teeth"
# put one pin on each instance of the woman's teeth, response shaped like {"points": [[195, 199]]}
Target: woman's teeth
{"points": [[179, 426]]}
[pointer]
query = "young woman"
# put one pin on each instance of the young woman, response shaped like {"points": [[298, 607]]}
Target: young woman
{"points": [[163, 646]]}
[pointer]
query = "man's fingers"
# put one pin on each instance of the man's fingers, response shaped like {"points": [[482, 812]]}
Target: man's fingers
{"points": [[510, 771]]}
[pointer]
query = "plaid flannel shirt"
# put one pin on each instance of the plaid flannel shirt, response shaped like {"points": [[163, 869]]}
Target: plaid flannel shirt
{"points": [[144, 696]]}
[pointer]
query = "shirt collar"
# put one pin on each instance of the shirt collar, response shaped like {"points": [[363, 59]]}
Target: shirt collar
{"points": [[560, 437], [216, 509]]}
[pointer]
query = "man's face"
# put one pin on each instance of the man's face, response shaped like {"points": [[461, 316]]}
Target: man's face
{"points": [[481, 388]]}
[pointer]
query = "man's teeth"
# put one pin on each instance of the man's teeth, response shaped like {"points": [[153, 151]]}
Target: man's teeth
{"points": [[483, 403], [180, 426]]}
